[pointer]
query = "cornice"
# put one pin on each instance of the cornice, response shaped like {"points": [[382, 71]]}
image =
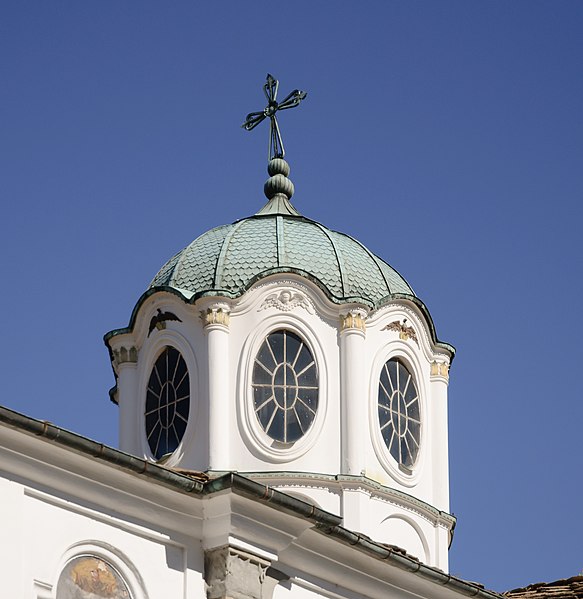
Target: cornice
{"points": [[311, 533], [376, 490]]}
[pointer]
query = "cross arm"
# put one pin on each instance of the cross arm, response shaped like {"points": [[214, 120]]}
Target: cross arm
{"points": [[252, 120], [292, 99]]}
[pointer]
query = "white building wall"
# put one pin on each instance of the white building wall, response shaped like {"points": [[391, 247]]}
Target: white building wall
{"points": [[42, 531], [224, 434]]}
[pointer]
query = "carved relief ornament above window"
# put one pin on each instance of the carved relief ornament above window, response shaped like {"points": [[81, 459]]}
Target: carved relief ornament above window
{"points": [[405, 331], [287, 300]]}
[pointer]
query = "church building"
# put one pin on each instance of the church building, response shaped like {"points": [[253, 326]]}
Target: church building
{"points": [[283, 431]]}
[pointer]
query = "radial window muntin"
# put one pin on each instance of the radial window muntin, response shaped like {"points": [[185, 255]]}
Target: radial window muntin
{"points": [[285, 386], [167, 402], [399, 413]]}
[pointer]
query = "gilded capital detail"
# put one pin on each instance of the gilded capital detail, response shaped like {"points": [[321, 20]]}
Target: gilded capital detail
{"points": [[353, 319], [217, 314], [123, 355], [440, 369]]}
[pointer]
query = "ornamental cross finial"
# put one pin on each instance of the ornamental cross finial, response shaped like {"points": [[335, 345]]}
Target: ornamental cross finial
{"points": [[254, 118]]}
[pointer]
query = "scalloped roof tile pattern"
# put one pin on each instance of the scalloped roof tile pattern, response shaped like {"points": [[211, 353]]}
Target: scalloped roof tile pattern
{"points": [[229, 258]]}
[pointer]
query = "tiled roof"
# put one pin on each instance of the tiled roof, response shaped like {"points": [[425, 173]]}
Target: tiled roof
{"points": [[569, 588], [228, 259]]}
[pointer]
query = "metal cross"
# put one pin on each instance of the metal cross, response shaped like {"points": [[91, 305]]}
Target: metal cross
{"points": [[254, 118]]}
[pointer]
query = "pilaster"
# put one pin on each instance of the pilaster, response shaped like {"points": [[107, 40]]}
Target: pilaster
{"points": [[353, 390], [216, 319], [439, 377], [125, 361]]}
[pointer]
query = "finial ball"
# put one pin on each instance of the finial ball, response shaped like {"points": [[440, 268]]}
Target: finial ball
{"points": [[278, 166], [278, 184]]}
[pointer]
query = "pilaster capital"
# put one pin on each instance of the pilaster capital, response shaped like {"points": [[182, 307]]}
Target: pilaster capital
{"points": [[353, 319], [440, 370], [125, 355], [235, 574], [218, 313]]}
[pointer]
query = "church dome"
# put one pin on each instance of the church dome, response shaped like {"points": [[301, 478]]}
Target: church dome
{"points": [[227, 260]]}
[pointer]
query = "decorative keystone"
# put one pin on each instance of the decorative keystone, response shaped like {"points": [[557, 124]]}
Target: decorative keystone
{"points": [[353, 319]]}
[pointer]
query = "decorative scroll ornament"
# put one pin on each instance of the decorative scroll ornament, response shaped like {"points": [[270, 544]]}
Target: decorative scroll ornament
{"points": [[440, 369], [353, 319], [405, 332], [123, 355], [287, 300], [253, 119], [217, 314], [158, 321]]}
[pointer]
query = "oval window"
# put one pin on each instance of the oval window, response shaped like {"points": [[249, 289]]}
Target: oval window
{"points": [[399, 417], [285, 386], [167, 403]]}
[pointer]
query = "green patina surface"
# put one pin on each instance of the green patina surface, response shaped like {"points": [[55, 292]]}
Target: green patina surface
{"points": [[228, 259]]}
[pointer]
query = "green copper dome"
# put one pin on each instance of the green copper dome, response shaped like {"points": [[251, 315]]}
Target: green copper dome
{"points": [[227, 260]]}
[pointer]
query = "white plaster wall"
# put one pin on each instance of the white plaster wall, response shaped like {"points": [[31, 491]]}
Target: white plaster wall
{"points": [[381, 345], [12, 547], [248, 449], [399, 527], [317, 322], [251, 322], [391, 523], [188, 337], [44, 532], [299, 588], [326, 498], [289, 590]]}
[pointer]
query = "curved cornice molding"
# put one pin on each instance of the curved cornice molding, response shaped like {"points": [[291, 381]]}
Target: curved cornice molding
{"points": [[188, 298], [340, 482]]}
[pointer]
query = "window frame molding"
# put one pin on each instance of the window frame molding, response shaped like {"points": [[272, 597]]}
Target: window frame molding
{"points": [[398, 350], [109, 554], [253, 435], [171, 338]]}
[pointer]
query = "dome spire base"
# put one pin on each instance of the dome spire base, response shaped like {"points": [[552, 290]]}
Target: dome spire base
{"points": [[279, 204], [278, 189]]}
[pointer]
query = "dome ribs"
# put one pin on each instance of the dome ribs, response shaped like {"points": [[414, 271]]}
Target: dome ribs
{"points": [[338, 255], [227, 260]]}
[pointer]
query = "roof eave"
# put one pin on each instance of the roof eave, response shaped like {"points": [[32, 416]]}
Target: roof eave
{"points": [[324, 522]]}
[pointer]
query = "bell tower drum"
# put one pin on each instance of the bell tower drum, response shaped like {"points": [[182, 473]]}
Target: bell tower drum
{"points": [[292, 354]]}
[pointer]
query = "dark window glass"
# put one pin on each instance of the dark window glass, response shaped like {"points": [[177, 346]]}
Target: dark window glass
{"points": [[285, 386], [398, 409], [167, 403]]}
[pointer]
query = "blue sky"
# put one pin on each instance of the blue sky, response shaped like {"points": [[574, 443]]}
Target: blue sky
{"points": [[446, 136]]}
